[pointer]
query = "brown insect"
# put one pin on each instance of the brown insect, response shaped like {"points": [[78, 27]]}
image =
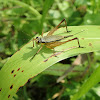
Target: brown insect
{"points": [[52, 41]]}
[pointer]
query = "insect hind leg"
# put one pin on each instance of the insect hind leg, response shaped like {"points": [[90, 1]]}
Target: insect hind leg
{"points": [[65, 25], [77, 41], [60, 43]]}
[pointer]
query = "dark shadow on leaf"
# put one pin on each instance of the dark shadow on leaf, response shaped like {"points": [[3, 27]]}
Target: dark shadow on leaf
{"points": [[33, 51]]}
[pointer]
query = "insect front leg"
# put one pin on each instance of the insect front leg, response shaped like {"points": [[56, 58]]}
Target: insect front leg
{"points": [[33, 42]]}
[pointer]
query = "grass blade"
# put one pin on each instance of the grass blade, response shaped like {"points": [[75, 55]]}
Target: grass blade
{"points": [[92, 81]]}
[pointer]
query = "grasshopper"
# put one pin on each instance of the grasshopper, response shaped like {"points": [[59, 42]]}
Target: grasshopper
{"points": [[52, 41]]}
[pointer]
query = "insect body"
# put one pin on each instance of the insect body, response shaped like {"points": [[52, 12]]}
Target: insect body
{"points": [[52, 38], [51, 41]]}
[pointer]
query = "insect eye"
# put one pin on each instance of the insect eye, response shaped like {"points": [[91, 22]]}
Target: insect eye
{"points": [[36, 37]]}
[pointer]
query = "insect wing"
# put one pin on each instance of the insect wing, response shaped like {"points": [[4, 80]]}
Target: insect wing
{"points": [[52, 38]]}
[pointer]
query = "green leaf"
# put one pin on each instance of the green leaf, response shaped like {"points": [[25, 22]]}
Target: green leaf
{"points": [[93, 80], [19, 69]]}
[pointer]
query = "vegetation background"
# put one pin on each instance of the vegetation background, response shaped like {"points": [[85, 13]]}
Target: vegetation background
{"points": [[20, 20]]}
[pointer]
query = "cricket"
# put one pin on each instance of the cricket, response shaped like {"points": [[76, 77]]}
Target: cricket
{"points": [[51, 41]]}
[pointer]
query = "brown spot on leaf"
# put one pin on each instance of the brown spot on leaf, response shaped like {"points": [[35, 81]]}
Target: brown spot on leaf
{"points": [[8, 96], [0, 89], [45, 60], [14, 75], [12, 71], [82, 38], [22, 70], [11, 86], [29, 79], [90, 44], [18, 69], [19, 88]]}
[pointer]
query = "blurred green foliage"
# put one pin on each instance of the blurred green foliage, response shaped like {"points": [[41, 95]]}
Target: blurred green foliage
{"points": [[20, 20]]}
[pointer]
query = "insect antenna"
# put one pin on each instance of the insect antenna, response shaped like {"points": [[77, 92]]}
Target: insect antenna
{"points": [[73, 34], [78, 32]]}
